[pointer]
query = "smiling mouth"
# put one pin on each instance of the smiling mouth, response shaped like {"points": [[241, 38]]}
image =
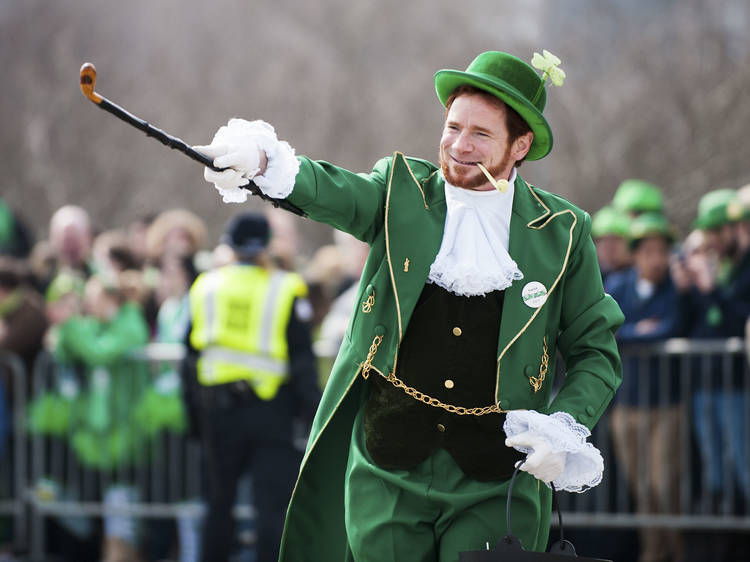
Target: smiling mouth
{"points": [[462, 162]]}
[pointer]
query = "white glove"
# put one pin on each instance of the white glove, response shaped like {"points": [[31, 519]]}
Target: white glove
{"points": [[541, 462], [228, 181], [556, 449], [237, 146]]}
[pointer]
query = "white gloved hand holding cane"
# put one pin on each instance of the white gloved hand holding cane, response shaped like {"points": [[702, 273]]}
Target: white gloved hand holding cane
{"points": [[556, 449], [250, 150]]}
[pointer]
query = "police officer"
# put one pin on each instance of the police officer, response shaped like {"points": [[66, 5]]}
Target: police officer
{"points": [[253, 373]]}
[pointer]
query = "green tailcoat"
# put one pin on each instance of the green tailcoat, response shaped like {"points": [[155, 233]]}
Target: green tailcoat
{"points": [[399, 209]]}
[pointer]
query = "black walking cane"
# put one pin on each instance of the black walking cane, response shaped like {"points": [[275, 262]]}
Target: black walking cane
{"points": [[88, 81]]}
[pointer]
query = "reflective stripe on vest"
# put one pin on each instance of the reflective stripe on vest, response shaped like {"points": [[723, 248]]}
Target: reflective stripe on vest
{"points": [[264, 374], [240, 314]]}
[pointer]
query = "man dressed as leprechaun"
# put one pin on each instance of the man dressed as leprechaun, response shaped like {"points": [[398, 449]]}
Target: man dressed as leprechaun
{"points": [[474, 282]]}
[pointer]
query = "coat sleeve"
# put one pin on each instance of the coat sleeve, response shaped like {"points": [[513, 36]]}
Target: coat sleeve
{"points": [[354, 203], [588, 323]]}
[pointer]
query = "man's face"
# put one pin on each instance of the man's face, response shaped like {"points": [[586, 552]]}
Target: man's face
{"points": [[722, 240], [475, 131], [612, 252], [651, 258]]}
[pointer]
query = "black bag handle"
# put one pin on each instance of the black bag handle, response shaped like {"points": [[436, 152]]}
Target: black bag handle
{"points": [[560, 546]]}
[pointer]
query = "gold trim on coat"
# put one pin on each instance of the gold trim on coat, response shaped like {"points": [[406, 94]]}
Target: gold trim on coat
{"points": [[554, 285]]}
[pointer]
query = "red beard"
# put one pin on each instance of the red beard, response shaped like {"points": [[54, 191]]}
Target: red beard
{"points": [[469, 180]]}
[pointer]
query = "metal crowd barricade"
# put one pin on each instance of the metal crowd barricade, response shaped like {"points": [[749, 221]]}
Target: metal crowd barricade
{"points": [[707, 384], [165, 481], [13, 468], [675, 371]]}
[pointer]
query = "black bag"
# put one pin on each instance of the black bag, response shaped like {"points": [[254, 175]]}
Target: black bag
{"points": [[509, 549]]}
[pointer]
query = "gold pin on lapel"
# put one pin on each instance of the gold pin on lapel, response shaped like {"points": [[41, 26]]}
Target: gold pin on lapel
{"points": [[406, 265]]}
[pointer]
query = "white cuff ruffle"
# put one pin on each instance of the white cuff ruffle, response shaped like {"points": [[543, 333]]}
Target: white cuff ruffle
{"points": [[281, 171], [584, 465], [282, 167]]}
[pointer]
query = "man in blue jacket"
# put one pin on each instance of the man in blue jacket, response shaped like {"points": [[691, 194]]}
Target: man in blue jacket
{"points": [[646, 405]]}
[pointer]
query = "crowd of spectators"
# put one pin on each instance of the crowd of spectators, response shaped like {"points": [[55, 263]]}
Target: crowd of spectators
{"points": [[695, 287], [87, 298]]}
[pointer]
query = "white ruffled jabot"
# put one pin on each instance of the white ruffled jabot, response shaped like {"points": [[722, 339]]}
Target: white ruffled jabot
{"points": [[583, 462], [473, 258]]}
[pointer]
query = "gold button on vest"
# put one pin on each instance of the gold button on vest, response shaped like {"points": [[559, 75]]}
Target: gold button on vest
{"points": [[457, 331], [441, 428], [449, 384]]}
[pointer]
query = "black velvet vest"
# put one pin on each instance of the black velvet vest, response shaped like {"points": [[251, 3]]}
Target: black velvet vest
{"points": [[449, 352]]}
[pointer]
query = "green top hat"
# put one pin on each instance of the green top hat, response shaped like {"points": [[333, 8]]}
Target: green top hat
{"points": [[650, 224], [719, 207], [638, 196], [514, 82], [608, 221]]}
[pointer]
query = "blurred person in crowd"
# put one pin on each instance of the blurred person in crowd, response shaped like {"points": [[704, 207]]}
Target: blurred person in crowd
{"points": [[609, 230], [112, 256], [111, 253], [333, 326], [636, 196], [646, 405], [42, 265], [137, 237], [324, 274], [176, 231], [250, 372], [161, 411], [220, 256], [354, 253], [446, 323], [15, 238], [53, 406], [284, 245], [71, 236], [22, 318], [176, 275], [105, 435], [715, 298], [716, 284]]}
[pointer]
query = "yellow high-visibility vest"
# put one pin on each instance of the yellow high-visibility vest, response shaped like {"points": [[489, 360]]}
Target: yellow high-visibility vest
{"points": [[240, 314]]}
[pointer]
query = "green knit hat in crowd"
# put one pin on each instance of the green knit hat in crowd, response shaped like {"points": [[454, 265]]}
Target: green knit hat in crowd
{"points": [[638, 196], [608, 221], [646, 225], [719, 207], [514, 82]]}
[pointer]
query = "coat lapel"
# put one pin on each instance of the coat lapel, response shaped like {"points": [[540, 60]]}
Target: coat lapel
{"points": [[540, 254], [414, 222]]}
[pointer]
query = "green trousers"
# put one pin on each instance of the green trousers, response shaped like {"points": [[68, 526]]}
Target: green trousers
{"points": [[434, 511]]}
